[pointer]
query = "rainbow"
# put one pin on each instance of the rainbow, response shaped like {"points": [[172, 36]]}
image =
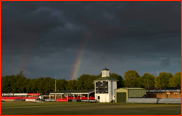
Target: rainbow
{"points": [[24, 58], [79, 58]]}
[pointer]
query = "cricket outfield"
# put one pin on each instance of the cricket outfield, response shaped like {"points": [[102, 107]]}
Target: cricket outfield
{"points": [[85, 108]]}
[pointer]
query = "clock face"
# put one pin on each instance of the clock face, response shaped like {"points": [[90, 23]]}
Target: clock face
{"points": [[102, 87]]}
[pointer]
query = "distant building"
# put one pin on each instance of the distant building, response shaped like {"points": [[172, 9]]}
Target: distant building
{"points": [[168, 91]]}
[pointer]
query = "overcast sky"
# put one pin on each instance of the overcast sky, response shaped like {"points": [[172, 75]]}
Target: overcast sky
{"points": [[48, 39]]}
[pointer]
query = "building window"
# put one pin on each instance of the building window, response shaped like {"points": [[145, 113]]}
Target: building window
{"points": [[98, 97]]}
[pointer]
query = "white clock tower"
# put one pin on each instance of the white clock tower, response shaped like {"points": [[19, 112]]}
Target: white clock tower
{"points": [[104, 87]]}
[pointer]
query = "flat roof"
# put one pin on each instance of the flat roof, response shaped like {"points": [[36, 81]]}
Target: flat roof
{"points": [[131, 88], [167, 90], [73, 92]]}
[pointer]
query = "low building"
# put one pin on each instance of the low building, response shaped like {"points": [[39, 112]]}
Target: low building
{"points": [[170, 93], [123, 94], [72, 93]]}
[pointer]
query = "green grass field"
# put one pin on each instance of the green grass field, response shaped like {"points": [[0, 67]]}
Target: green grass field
{"points": [[84, 108]]}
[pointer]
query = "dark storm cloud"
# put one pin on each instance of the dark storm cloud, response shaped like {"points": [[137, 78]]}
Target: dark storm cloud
{"points": [[34, 22], [50, 35], [165, 63], [131, 22]]}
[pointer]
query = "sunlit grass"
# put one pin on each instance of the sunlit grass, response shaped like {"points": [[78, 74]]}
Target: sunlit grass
{"points": [[85, 108]]}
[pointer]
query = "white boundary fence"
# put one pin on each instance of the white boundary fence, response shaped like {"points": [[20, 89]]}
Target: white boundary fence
{"points": [[170, 101], [142, 100], [50, 100], [155, 100]]}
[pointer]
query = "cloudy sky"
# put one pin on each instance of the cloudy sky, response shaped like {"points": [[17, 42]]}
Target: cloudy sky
{"points": [[68, 39]]}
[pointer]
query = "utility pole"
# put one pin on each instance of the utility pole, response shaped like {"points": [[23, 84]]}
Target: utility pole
{"points": [[55, 84]]}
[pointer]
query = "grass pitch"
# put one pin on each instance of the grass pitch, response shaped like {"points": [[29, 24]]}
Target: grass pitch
{"points": [[85, 108]]}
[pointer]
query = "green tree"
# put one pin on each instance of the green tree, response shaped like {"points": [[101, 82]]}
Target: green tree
{"points": [[61, 84], [85, 82], [40, 84], [28, 85], [131, 79], [146, 80], [19, 83], [33, 85], [50, 85], [6, 83], [175, 81], [119, 78], [71, 85], [163, 80], [13, 79], [24, 88], [88, 84], [80, 83]]}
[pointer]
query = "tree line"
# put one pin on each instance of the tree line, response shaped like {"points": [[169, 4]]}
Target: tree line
{"points": [[19, 83]]}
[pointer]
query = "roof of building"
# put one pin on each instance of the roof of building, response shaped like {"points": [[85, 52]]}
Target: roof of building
{"points": [[167, 90], [106, 78], [105, 69], [131, 88], [73, 91]]}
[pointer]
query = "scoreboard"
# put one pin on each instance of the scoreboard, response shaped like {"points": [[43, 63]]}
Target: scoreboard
{"points": [[102, 87]]}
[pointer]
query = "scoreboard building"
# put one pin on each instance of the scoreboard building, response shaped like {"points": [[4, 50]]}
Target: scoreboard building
{"points": [[104, 87]]}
